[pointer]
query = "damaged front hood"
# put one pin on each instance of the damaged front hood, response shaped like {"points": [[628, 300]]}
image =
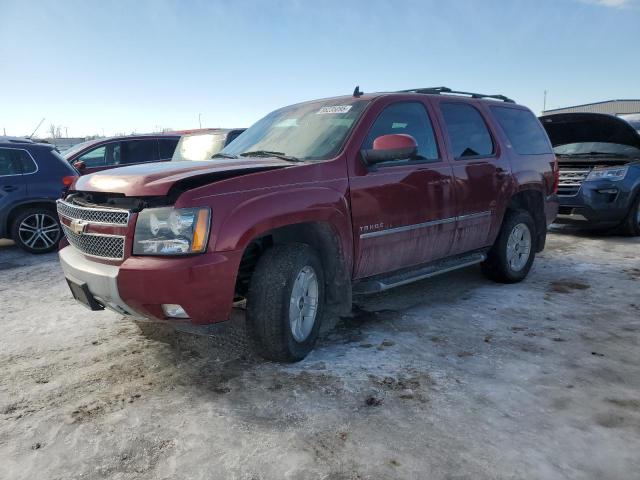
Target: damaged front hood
{"points": [[566, 128], [156, 179]]}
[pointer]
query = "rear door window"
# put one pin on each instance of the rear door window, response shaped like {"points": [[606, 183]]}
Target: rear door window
{"points": [[166, 147], [467, 131], [410, 118], [523, 130], [138, 151], [9, 162]]}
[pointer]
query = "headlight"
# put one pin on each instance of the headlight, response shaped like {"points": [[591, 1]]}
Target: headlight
{"points": [[171, 231], [617, 173]]}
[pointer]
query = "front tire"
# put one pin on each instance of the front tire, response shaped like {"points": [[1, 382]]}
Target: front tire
{"points": [[285, 302], [36, 230], [631, 224], [512, 255]]}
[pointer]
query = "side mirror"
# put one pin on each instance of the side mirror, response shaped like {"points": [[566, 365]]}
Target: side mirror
{"points": [[80, 166], [396, 146]]}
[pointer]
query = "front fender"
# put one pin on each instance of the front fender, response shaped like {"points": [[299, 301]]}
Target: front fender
{"points": [[260, 214]]}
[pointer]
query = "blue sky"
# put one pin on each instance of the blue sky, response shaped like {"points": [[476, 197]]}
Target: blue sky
{"points": [[123, 66]]}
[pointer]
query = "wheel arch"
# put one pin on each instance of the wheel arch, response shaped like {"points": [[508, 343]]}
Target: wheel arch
{"points": [[17, 208], [324, 239], [532, 200]]}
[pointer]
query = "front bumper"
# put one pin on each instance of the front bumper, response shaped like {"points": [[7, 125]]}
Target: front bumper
{"points": [[203, 285], [599, 203]]}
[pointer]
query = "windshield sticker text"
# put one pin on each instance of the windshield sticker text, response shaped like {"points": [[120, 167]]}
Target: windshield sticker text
{"points": [[334, 109]]}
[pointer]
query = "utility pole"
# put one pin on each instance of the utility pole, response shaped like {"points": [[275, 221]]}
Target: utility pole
{"points": [[66, 132], [200, 120], [544, 102]]}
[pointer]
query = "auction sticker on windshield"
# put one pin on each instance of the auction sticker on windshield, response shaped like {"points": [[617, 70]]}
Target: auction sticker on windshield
{"points": [[334, 109]]}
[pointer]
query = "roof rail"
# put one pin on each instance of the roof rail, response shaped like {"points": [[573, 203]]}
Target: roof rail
{"points": [[9, 139], [441, 90]]}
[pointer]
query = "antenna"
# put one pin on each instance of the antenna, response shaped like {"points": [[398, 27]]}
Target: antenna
{"points": [[34, 132], [356, 92]]}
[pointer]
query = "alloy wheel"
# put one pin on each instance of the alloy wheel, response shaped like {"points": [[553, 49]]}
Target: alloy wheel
{"points": [[303, 306], [519, 247], [39, 231]]}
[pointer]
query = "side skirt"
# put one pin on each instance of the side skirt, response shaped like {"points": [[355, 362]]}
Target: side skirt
{"points": [[380, 283]]}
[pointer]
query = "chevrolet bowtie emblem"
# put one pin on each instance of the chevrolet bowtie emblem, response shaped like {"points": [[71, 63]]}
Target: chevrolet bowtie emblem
{"points": [[79, 226]]}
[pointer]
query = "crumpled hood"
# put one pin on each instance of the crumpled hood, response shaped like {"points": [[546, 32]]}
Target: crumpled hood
{"points": [[156, 179], [565, 128]]}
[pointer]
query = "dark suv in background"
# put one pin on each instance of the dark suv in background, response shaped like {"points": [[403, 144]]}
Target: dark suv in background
{"points": [[105, 153], [32, 177], [599, 158]]}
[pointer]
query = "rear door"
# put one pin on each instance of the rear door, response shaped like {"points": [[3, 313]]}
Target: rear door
{"points": [[481, 172], [402, 211], [12, 184]]}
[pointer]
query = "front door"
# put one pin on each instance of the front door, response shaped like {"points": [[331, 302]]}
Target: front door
{"points": [[100, 158], [402, 210], [481, 174]]}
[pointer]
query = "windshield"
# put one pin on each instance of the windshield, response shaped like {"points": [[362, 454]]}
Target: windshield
{"points": [[198, 147], [596, 147], [309, 131]]}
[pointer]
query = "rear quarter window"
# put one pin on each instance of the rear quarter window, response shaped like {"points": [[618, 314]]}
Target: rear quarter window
{"points": [[26, 162], [523, 129]]}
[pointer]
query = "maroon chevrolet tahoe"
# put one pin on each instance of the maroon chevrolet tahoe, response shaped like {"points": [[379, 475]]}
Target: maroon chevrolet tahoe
{"points": [[314, 203]]}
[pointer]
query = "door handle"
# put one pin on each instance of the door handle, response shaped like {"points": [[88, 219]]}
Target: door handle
{"points": [[9, 188], [501, 172]]}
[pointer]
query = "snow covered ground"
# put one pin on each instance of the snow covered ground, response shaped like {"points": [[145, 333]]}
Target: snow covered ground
{"points": [[450, 378]]}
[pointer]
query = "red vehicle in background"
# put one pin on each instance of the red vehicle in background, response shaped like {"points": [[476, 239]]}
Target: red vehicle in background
{"points": [[313, 203], [105, 153]]}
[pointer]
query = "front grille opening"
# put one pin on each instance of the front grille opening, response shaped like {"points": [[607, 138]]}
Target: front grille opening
{"points": [[571, 179], [93, 215], [103, 246]]}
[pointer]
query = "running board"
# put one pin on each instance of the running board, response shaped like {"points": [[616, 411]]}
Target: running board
{"points": [[380, 284]]}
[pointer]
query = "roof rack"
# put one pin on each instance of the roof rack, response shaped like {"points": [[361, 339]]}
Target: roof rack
{"points": [[440, 90]]}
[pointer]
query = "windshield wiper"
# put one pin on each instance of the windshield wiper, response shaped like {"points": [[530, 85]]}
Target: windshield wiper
{"points": [[269, 153], [223, 155]]}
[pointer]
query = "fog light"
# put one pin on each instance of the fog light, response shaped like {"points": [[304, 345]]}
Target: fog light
{"points": [[174, 311]]}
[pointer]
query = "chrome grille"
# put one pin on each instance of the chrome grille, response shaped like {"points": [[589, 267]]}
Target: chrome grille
{"points": [[571, 180], [104, 246], [105, 216]]}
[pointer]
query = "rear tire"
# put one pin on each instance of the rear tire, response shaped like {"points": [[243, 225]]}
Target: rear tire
{"points": [[513, 252], [285, 302], [37, 230], [631, 224]]}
